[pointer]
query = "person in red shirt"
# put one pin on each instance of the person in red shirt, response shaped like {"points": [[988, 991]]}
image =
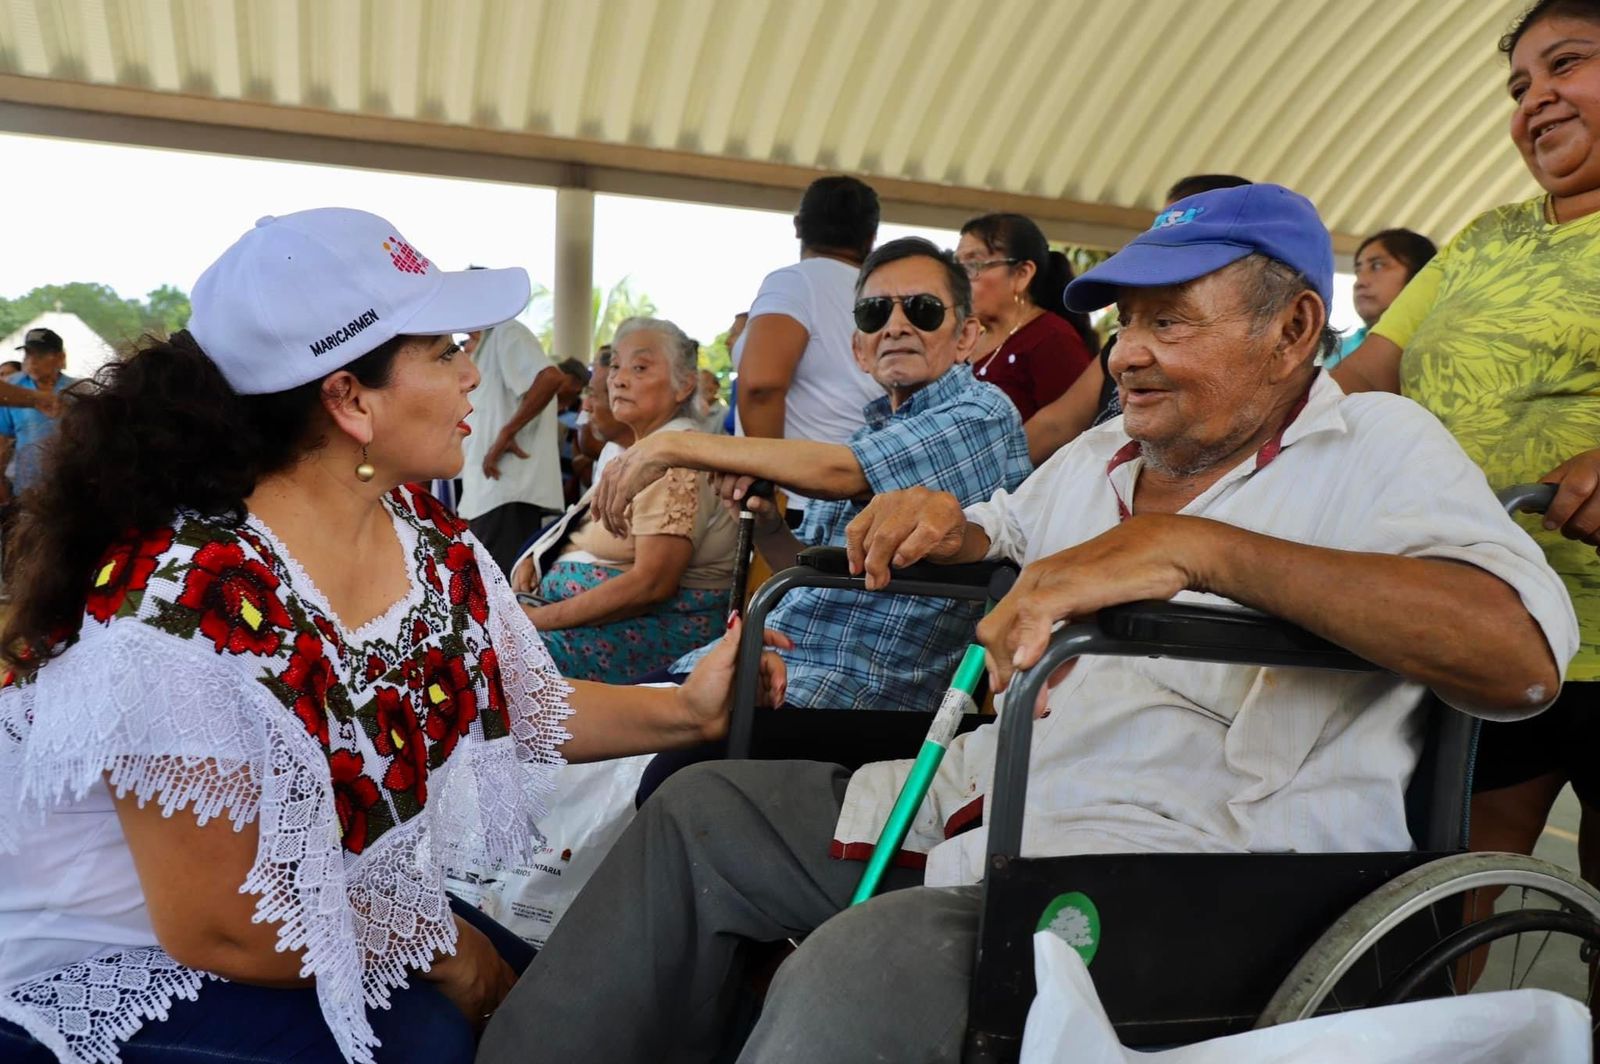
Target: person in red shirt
{"points": [[1032, 347]]}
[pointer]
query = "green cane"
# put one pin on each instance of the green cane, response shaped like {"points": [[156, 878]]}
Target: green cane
{"points": [[958, 701]]}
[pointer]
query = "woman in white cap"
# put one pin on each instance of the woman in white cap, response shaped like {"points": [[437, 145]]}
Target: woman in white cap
{"points": [[263, 692]]}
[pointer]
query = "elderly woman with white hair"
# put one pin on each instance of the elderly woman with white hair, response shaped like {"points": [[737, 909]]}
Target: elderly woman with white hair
{"points": [[621, 607]]}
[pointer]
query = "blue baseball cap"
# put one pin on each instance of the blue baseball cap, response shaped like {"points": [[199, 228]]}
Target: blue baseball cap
{"points": [[1204, 233]]}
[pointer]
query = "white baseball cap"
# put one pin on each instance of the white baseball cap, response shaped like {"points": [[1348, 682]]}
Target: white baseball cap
{"points": [[299, 296]]}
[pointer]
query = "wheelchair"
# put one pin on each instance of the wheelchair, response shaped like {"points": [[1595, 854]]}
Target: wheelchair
{"points": [[1284, 936]]}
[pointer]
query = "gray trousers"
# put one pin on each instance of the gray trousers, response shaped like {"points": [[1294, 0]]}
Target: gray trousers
{"points": [[649, 963]]}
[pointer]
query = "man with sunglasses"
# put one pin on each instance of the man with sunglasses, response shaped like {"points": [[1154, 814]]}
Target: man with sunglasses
{"points": [[1238, 469], [935, 426]]}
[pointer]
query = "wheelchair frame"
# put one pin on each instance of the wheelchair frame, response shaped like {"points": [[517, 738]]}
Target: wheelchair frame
{"points": [[1297, 940]]}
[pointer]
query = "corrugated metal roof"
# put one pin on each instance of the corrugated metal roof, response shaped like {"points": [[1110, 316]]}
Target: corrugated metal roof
{"points": [[1385, 112]]}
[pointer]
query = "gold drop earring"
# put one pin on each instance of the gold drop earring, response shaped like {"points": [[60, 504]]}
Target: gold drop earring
{"points": [[364, 471]]}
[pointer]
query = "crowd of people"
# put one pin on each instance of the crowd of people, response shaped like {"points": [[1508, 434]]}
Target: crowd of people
{"points": [[266, 688]]}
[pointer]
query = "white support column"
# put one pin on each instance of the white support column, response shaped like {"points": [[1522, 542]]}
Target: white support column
{"points": [[574, 298]]}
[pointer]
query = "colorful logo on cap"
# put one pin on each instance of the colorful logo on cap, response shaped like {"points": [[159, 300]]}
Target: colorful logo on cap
{"points": [[404, 256], [1168, 219]]}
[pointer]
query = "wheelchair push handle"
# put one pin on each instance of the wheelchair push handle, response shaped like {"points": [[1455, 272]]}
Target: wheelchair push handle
{"points": [[1527, 498]]}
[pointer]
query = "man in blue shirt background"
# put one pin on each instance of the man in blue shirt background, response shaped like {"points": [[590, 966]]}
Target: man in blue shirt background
{"points": [[29, 428]]}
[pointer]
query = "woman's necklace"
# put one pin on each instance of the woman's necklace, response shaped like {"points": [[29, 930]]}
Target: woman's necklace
{"points": [[1022, 319]]}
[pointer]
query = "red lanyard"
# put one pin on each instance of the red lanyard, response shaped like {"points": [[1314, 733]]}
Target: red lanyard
{"points": [[1270, 450]]}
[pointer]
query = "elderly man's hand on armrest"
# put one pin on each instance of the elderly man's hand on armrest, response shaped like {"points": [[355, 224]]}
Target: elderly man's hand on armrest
{"points": [[901, 528], [1386, 608]]}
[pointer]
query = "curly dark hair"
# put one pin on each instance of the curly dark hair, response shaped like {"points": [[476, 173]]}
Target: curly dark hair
{"points": [[160, 430]]}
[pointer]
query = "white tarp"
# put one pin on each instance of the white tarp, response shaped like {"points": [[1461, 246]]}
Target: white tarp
{"points": [[1066, 1023], [86, 351]]}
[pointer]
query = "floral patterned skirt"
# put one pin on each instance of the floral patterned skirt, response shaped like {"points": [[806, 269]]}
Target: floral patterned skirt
{"points": [[621, 651]]}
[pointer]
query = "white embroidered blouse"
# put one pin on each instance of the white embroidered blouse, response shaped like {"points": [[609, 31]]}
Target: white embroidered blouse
{"points": [[210, 676]]}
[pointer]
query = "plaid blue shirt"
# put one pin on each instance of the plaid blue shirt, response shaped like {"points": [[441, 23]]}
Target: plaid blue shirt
{"points": [[868, 650]]}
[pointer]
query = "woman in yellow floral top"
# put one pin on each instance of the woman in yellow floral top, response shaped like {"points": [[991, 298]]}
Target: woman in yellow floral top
{"points": [[624, 606], [1499, 336]]}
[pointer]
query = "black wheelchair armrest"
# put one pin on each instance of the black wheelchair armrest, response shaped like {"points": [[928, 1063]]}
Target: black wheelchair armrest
{"points": [[825, 567], [1187, 631], [1225, 633], [832, 561]]}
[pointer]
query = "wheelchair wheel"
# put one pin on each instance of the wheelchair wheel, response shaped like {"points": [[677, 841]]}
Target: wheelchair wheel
{"points": [[1468, 922]]}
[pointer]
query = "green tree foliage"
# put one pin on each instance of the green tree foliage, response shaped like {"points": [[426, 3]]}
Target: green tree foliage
{"points": [[610, 309], [716, 357], [117, 320]]}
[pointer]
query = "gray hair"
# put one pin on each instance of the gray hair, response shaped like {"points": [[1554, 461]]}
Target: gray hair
{"points": [[683, 358], [1269, 289]]}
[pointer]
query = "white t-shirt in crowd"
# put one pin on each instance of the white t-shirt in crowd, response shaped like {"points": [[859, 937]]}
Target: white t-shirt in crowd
{"points": [[1146, 754], [607, 453], [829, 391], [509, 357]]}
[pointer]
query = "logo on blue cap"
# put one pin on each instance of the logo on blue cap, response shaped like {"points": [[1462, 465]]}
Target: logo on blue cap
{"points": [[1167, 219], [1206, 232]]}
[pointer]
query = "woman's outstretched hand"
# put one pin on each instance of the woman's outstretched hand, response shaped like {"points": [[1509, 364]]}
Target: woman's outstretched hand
{"points": [[708, 692]]}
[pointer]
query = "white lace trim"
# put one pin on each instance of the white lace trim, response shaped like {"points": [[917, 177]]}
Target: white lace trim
{"points": [[96, 1004], [173, 723]]}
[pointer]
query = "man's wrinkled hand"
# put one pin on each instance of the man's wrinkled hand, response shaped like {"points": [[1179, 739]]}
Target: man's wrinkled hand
{"points": [[1152, 557], [900, 528], [732, 489], [626, 476], [1576, 508], [48, 404]]}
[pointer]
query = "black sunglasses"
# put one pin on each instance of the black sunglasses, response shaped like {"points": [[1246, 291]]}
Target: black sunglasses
{"points": [[923, 311]]}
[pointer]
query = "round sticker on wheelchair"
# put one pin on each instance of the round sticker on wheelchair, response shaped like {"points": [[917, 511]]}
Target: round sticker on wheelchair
{"points": [[1073, 919]]}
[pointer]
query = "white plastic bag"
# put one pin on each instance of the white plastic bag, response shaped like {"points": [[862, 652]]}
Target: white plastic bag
{"points": [[1067, 1023], [589, 809]]}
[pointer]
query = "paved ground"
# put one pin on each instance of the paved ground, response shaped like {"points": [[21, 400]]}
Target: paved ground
{"points": [[1560, 968], [1560, 841]]}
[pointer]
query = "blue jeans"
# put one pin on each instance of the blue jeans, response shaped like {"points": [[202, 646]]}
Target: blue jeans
{"points": [[238, 1022]]}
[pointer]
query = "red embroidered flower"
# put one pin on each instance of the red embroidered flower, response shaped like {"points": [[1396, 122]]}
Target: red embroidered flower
{"points": [[489, 662], [309, 676], [431, 509], [400, 738], [125, 567], [430, 570], [374, 667], [330, 634], [419, 630], [353, 795], [451, 702], [237, 599], [466, 583]]}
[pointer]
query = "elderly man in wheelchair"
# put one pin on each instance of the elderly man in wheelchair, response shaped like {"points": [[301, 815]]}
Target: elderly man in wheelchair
{"points": [[1239, 472]]}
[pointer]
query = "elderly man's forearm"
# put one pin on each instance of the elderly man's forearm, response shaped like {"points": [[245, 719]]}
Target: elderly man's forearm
{"points": [[819, 470], [1426, 619]]}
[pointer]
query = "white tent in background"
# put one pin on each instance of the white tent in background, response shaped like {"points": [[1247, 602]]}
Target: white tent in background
{"points": [[86, 351]]}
